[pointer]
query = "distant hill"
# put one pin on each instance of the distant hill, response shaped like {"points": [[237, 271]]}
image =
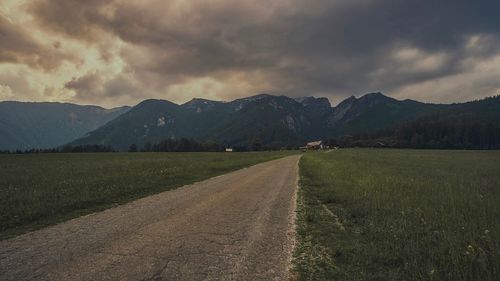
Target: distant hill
{"points": [[271, 120], [471, 125], [268, 119], [26, 125], [375, 111]]}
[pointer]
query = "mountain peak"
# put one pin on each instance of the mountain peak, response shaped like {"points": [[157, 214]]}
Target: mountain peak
{"points": [[154, 101], [321, 102], [200, 105], [375, 96], [347, 102], [153, 105], [200, 101], [256, 97], [122, 109]]}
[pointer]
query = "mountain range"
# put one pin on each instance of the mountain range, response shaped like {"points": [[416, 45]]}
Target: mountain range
{"points": [[26, 125], [271, 120]]}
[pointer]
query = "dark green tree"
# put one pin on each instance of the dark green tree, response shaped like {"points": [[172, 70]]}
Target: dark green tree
{"points": [[132, 148], [256, 144]]}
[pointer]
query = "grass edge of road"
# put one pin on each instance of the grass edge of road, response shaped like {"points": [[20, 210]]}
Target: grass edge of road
{"points": [[309, 255], [117, 201], [292, 226]]}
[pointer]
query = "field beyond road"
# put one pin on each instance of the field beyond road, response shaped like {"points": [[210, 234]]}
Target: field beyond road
{"points": [[367, 214], [41, 189]]}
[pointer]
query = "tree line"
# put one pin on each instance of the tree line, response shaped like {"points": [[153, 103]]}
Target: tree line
{"points": [[191, 145], [177, 145], [63, 149], [167, 145], [464, 131]]}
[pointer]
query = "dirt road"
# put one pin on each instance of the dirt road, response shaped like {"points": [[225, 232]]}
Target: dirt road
{"points": [[233, 227]]}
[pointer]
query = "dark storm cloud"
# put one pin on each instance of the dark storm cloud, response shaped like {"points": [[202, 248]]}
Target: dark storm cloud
{"points": [[77, 19], [303, 47], [87, 84], [346, 44], [19, 47], [94, 88]]}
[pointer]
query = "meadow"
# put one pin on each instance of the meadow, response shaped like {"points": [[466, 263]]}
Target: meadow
{"points": [[368, 214], [41, 189]]}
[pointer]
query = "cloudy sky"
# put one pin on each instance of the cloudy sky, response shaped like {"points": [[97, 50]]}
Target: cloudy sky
{"points": [[115, 52]]}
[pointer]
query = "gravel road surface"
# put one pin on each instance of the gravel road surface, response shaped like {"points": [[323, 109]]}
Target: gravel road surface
{"points": [[239, 226]]}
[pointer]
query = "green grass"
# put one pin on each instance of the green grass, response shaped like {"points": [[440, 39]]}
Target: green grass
{"points": [[366, 214], [41, 189]]}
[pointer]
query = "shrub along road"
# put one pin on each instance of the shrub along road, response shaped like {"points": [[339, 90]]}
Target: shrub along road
{"points": [[238, 226]]}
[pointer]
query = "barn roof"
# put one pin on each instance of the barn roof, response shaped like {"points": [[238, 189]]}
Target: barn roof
{"points": [[314, 143]]}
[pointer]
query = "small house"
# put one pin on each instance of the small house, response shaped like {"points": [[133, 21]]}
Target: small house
{"points": [[315, 145]]}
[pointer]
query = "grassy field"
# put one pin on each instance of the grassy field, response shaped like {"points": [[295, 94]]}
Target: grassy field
{"points": [[368, 214], [41, 189]]}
